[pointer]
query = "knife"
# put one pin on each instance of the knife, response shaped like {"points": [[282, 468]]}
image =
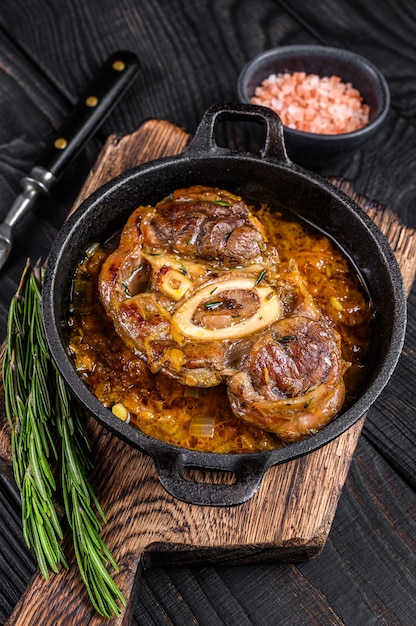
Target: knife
{"points": [[93, 107]]}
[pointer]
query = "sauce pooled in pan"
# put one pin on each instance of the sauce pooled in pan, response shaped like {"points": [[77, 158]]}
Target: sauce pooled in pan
{"points": [[219, 327]]}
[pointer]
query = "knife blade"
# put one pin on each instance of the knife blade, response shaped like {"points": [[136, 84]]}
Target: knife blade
{"points": [[95, 104]]}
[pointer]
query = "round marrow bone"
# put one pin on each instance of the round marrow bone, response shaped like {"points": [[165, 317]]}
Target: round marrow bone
{"points": [[267, 312]]}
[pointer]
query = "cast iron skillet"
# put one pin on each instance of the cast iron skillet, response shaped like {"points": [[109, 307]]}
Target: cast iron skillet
{"points": [[268, 176]]}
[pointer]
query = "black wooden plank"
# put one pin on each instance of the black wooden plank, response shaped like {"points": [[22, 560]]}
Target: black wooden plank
{"points": [[192, 54], [17, 564], [391, 424]]}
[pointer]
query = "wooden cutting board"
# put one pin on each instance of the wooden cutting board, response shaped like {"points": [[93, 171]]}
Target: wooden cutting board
{"points": [[288, 519]]}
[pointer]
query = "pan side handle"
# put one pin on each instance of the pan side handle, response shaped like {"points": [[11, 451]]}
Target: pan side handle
{"points": [[248, 474], [204, 141]]}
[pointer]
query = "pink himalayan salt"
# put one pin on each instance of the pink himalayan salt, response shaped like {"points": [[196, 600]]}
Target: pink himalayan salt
{"points": [[314, 104]]}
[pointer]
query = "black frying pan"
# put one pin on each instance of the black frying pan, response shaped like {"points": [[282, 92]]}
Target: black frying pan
{"points": [[272, 178]]}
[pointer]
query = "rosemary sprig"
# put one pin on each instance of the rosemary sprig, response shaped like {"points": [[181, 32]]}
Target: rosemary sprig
{"points": [[40, 410], [28, 411]]}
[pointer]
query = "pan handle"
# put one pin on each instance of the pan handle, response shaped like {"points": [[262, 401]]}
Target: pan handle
{"points": [[204, 142], [248, 472]]}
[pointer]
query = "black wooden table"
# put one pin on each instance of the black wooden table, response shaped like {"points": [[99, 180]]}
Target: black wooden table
{"points": [[191, 53]]}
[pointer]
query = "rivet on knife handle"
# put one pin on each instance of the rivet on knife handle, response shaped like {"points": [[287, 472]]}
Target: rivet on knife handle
{"points": [[97, 102]]}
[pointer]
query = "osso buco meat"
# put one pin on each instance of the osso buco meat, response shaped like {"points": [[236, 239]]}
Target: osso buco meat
{"points": [[198, 293]]}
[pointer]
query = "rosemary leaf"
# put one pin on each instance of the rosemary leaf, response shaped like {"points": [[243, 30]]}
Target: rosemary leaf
{"points": [[98, 507], [38, 442], [36, 471], [40, 556], [35, 507], [97, 595], [26, 497], [9, 401], [21, 361], [18, 467], [99, 568], [95, 591], [69, 460], [41, 393], [106, 591], [49, 547]]}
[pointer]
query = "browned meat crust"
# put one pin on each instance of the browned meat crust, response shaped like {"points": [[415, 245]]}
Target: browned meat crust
{"points": [[196, 291]]}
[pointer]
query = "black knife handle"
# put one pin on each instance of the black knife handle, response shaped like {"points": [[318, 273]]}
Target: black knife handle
{"points": [[103, 93]]}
